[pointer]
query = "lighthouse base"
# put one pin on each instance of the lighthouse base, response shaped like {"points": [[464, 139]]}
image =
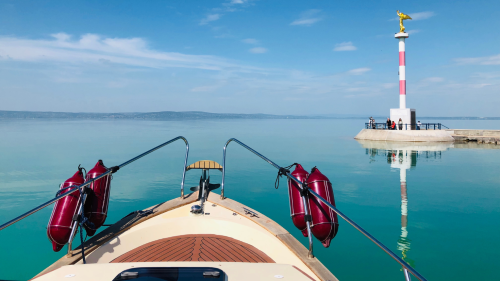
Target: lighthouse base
{"points": [[407, 115]]}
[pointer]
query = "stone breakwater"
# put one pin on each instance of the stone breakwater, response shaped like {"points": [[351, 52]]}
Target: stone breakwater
{"points": [[479, 136]]}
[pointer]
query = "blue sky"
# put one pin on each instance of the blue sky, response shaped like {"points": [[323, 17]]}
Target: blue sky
{"points": [[244, 56]]}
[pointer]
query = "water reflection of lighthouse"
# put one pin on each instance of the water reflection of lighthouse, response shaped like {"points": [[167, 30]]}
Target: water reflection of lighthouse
{"points": [[403, 156], [403, 160]]}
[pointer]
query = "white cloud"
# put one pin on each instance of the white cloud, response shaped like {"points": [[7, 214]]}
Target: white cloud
{"points": [[413, 31], [117, 84], [308, 18], [258, 50], [481, 85], [344, 46], [226, 7], [433, 79], [389, 85], [95, 49], [61, 36], [422, 15], [486, 75], [209, 18], [356, 89], [250, 41], [305, 21], [205, 88], [490, 60], [358, 71]]}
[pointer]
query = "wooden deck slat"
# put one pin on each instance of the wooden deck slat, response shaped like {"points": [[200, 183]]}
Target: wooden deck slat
{"points": [[249, 254], [147, 251], [241, 254], [211, 256], [218, 251], [195, 247], [150, 253], [255, 257], [205, 164], [144, 253], [182, 250], [174, 250], [227, 250]]}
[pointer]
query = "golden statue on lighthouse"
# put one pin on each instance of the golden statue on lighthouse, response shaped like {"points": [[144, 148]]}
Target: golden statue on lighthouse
{"points": [[401, 18]]}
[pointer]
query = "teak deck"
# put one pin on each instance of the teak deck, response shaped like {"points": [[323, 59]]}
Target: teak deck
{"points": [[196, 247]]}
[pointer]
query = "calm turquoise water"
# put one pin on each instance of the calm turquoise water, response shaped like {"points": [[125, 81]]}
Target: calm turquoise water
{"points": [[453, 194]]}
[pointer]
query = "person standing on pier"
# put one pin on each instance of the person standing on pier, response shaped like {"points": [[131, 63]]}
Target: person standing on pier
{"points": [[400, 123], [389, 123]]}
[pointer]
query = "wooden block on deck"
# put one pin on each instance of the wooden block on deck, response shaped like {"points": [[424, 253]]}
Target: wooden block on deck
{"points": [[205, 164]]}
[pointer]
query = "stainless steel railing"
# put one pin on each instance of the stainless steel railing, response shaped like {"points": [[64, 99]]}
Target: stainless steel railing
{"points": [[11, 222], [305, 199], [407, 268]]}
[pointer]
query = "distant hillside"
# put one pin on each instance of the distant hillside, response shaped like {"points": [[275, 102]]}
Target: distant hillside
{"points": [[163, 115], [461, 118], [193, 115]]}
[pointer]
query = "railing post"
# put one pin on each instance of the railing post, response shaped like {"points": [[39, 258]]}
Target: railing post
{"points": [[223, 169], [407, 275], [184, 169], [305, 202], [76, 223], [74, 229]]}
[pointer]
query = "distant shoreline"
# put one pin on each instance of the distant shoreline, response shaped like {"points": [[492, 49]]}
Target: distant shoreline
{"points": [[191, 115]]}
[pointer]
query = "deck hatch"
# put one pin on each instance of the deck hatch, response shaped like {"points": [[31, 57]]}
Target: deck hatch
{"points": [[171, 274]]}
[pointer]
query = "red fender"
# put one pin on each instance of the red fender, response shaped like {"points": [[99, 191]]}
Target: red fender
{"points": [[59, 227], [296, 205], [96, 205], [324, 224]]}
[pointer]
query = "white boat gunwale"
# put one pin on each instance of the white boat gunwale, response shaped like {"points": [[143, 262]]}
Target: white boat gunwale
{"points": [[134, 219]]}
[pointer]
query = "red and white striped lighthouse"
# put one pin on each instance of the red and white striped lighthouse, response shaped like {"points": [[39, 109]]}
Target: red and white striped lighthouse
{"points": [[402, 69], [403, 114]]}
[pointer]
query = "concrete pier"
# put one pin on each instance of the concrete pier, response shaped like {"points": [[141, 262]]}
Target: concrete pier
{"points": [[449, 135], [408, 135]]}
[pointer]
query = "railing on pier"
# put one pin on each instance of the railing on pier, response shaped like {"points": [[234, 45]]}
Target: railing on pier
{"points": [[407, 268], [417, 126]]}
